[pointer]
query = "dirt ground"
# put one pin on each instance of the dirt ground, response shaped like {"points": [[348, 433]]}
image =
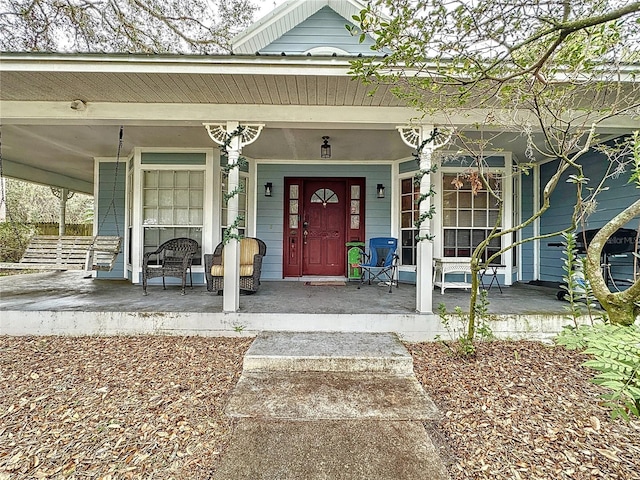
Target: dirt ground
{"points": [[152, 407], [524, 410]]}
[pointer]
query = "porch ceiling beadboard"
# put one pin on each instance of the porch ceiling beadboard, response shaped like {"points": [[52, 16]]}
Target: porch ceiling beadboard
{"points": [[135, 87]]}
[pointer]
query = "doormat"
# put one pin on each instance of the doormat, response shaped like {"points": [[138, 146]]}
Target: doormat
{"points": [[327, 283]]}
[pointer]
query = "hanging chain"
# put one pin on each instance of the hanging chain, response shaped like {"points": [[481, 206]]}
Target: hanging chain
{"points": [[112, 204]]}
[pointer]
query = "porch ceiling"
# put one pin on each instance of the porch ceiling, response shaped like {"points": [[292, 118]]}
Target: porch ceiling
{"points": [[35, 152], [203, 88], [163, 101]]}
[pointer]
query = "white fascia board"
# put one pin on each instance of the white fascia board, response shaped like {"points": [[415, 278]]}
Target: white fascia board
{"points": [[212, 65], [107, 113]]}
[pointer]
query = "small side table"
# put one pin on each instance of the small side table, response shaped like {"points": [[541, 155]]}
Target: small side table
{"points": [[492, 271], [455, 265]]}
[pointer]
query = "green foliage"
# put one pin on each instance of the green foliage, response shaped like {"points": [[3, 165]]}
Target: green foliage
{"points": [[32, 203], [461, 345], [231, 232], [635, 173], [13, 240], [616, 356], [578, 288]]}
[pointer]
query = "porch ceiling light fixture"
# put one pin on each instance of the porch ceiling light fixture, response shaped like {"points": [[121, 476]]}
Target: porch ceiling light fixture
{"points": [[380, 189], [268, 189], [325, 148]]}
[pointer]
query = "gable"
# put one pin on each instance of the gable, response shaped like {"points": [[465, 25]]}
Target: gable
{"points": [[322, 33]]}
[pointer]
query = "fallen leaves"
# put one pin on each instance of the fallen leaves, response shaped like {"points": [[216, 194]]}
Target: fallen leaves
{"points": [[115, 407], [525, 410]]}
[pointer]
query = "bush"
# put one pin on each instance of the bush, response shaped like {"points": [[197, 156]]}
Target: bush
{"points": [[616, 355], [14, 238]]}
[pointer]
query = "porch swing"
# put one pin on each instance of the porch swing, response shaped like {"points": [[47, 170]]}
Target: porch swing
{"points": [[62, 252]]}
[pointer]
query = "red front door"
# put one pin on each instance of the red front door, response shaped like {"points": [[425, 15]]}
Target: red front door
{"points": [[323, 226], [320, 215]]}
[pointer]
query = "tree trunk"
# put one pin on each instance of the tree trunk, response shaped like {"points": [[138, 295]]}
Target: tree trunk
{"points": [[473, 298], [622, 307]]}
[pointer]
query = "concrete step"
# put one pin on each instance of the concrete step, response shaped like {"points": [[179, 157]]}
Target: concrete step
{"points": [[330, 395], [328, 352], [336, 450]]}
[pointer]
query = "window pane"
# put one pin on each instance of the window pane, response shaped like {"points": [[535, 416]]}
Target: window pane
{"points": [[464, 199], [480, 200], [450, 238], [479, 218], [407, 221], [478, 236], [493, 217], [449, 200], [463, 238], [165, 198], [182, 179], [464, 218], [407, 185], [449, 218], [165, 179]]}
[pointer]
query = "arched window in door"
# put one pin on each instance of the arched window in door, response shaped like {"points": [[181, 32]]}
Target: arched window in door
{"points": [[324, 196]]}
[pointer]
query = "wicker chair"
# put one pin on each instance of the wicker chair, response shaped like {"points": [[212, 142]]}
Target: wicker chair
{"points": [[251, 252], [171, 259]]}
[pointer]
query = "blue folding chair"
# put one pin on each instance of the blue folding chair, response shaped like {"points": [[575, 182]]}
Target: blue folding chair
{"points": [[381, 263]]}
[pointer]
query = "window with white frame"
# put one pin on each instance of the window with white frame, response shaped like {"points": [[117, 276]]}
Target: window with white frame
{"points": [[409, 213], [242, 203], [172, 206], [468, 217]]}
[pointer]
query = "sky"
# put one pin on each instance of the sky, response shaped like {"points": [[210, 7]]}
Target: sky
{"points": [[266, 6]]}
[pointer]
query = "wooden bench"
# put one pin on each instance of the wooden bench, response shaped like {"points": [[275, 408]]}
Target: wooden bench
{"points": [[52, 252]]}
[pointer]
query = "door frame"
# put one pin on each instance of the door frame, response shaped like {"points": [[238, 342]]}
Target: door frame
{"points": [[293, 201]]}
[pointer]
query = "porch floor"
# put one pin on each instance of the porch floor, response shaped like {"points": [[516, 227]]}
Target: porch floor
{"points": [[69, 291]]}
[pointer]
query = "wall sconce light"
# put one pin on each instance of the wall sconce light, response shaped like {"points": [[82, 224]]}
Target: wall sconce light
{"points": [[380, 189], [268, 189], [325, 148]]}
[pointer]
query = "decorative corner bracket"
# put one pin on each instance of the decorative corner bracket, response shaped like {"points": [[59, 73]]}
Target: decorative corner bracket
{"points": [[218, 133], [414, 136]]}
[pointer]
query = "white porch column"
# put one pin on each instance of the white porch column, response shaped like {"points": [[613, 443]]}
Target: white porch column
{"points": [[424, 271], [237, 137], [231, 252], [415, 137]]}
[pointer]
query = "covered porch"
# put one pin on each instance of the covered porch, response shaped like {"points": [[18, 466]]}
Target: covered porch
{"points": [[65, 303]]}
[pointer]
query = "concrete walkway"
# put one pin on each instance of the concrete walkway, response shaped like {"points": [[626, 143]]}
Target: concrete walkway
{"points": [[330, 406]]}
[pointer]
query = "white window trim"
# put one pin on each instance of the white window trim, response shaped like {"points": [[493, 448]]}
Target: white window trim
{"points": [[209, 201], [507, 215], [398, 216]]}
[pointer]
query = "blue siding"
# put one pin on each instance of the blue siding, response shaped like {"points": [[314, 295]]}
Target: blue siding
{"points": [[410, 166], [527, 209], [173, 158], [464, 161], [325, 28], [270, 214], [610, 202], [110, 218]]}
